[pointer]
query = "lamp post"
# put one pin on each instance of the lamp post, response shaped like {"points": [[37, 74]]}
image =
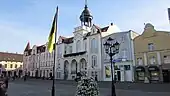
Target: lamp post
{"points": [[112, 48]]}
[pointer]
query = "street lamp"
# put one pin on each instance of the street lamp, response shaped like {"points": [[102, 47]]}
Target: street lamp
{"points": [[112, 48]]}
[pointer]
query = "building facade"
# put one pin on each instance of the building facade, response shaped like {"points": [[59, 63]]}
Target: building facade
{"points": [[38, 62], [82, 52], [11, 64], [124, 60], [152, 55]]}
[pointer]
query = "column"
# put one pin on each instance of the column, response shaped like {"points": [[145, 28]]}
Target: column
{"points": [[145, 59], [158, 58]]}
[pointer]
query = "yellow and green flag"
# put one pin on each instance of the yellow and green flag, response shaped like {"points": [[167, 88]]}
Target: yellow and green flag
{"points": [[51, 38]]}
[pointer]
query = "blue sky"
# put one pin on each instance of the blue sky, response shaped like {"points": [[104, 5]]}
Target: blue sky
{"points": [[30, 20]]}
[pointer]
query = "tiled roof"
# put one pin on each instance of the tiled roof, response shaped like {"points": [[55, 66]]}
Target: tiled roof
{"points": [[11, 57], [68, 40], [41, 49]]}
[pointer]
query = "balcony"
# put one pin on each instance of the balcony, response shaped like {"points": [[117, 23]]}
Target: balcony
{"points": [[74, 54]]}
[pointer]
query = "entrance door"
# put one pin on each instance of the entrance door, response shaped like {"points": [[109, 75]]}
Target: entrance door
{"points": [[118, 75], [165, 76]]}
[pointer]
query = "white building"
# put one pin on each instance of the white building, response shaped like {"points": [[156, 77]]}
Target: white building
{"points": [[82, 52], [124, 66], [11, 64], [38, 62]]}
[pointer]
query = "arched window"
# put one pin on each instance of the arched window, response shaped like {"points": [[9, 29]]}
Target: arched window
{"points": [[78, 46], [94, 61], [94, 47]]}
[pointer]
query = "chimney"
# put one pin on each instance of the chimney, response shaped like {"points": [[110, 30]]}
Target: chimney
{"points": [[111, 24]]}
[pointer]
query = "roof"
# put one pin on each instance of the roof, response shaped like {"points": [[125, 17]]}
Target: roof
{"points": [[27, 47], [11, 57], [67, 40], [41, 48]]}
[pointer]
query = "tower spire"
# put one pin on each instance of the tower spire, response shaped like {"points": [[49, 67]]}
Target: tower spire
{"points": [[86, 17], [86, 3]]}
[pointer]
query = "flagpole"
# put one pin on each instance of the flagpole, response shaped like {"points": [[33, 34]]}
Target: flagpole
{"points": [[53, 84]]}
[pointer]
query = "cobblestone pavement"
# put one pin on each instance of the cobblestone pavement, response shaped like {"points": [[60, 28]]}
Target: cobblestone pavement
{"points": [[68, 88]]}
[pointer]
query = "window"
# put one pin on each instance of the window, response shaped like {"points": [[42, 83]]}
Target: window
{"points": [[58, 74], [65, 50], [11, 65], [123, 39], [70, 49], [150, 47], [152, 60], [15, 65], [94, 47], [5, 65], [49, 55], [139, 61], [78, 46], [46, 63], [124, 53], [59, 52], [85, 45], [92, 74], [59, 66], [94, 61], [127, 67], [167, 59]]}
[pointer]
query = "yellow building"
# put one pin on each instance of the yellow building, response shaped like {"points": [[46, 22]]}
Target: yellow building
{"points": [[11, 64], [152, 55]]}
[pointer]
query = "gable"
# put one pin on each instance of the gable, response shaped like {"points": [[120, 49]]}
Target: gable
{"points": [[149, 31]]}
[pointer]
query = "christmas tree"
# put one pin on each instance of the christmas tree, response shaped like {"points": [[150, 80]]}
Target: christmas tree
{"points": [[87, 87]]}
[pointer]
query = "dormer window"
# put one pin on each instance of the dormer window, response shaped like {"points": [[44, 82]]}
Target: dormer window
{"points": [[93, 30]]}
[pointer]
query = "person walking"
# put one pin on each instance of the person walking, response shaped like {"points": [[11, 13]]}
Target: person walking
{"points": [[6, 81], [3, 89], [25, 77]]}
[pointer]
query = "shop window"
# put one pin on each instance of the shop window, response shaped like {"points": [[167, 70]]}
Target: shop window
{"points": [[154, 75], [141, 75]]}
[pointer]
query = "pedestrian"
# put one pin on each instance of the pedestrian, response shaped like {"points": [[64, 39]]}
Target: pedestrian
{"points": [[6, 82], [3, 88], [25, 77]]}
